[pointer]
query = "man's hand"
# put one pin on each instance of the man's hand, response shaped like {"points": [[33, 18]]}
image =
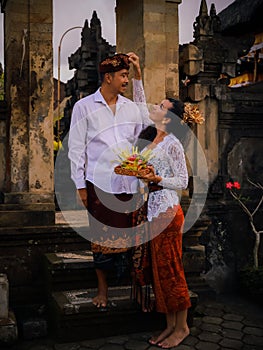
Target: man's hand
{"points": [[82, 197], [134, 59]]}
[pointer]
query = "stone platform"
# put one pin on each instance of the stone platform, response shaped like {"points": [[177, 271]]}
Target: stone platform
{"points": [[71, 312], [74, 317]]}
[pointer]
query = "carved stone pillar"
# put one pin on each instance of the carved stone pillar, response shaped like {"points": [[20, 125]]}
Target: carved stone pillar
{"points": [[28, 190], [151, 30]]}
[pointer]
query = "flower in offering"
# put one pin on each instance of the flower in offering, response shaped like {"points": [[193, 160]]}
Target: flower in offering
{"points": [[131, 163]]}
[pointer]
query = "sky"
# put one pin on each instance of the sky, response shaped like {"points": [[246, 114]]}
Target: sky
{"points": [[68, 14]]}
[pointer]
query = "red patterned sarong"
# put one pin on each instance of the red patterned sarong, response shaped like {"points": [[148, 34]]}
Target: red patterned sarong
{"points": [[159, 262], [169, 284], [108, 226]]}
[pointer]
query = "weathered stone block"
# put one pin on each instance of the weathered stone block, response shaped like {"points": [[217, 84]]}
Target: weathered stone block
{"points": [[33, 328], [4, 292], [198, 92], [8, 330], [192, 53], [193, 60], [194, 259]]}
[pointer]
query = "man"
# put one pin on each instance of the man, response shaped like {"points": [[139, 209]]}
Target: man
{"points": [[102, 124]]}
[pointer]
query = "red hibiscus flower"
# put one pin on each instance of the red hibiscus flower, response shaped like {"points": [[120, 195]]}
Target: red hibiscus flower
{"points": [[236, 185], [229, 185]]}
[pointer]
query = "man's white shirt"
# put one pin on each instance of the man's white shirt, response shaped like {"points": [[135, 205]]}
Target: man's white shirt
{"points": [[97, 136]]}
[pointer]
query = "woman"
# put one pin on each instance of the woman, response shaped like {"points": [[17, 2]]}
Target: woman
{"points": [[168, 175]]}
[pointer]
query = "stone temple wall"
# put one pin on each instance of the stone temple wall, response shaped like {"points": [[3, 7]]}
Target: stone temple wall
{"points": [[231, 136], [28, 180]]}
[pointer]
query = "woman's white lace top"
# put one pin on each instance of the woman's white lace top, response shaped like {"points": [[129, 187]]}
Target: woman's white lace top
{"points": [[140, 99], [169, 163]]}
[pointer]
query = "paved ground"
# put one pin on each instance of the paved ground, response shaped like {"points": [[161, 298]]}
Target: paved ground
{"points": [[228, 323]]}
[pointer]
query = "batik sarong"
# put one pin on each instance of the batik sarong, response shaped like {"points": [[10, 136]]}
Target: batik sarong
{"points": [[158, 262]]}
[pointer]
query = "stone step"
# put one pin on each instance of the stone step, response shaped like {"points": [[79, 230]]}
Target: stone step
{"points": [[73, 316], [194, 259], [198, 284], [72, 281], [75, 270]]}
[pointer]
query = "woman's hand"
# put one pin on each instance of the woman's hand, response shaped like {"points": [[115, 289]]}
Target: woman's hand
{"points": [[149, 175], [134, 59]]}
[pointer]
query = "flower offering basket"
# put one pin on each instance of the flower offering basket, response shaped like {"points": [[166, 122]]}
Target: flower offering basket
{"points": [[132, 163], [128, 172]]}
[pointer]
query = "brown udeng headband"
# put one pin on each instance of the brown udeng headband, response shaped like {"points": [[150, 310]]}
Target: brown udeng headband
{"points": [[115, 63]]}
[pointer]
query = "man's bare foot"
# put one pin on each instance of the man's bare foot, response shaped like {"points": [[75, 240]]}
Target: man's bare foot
{"points": [[156, 339], [174, 339], [100, 300]]}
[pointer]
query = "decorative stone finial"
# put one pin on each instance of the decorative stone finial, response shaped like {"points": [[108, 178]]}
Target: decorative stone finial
{"points": [[206, 25]]}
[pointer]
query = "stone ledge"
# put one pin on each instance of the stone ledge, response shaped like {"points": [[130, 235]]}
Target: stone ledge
{"points": [[26, 218]]}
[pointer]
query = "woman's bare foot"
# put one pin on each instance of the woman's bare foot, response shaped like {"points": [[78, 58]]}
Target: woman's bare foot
{"points": [[174, 339], [146, 306], [100, 300], [143, 303], [156, 339]]}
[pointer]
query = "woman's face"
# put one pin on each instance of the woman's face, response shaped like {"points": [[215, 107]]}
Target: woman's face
{"points": [[158, 112]]}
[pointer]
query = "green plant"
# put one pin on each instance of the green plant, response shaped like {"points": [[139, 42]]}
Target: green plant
{"points": [[251, 282], [234, 188]]}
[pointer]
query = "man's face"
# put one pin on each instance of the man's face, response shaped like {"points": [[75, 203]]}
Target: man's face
{"points": [[119, 81]]}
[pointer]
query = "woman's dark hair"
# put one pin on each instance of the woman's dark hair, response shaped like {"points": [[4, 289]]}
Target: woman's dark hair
{"points": [[176, 126], [146, 136], [179, 128], [177, 108]]}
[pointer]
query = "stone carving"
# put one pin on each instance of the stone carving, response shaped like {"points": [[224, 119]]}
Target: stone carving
{"points": [[206, 25], [85, 61]]}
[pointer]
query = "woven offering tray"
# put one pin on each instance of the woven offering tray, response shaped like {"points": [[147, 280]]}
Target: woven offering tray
{"points": [[122, 171]]}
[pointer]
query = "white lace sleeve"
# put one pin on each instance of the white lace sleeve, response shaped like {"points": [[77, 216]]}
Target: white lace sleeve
{"points": [[179, 180], [140, 99]]}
